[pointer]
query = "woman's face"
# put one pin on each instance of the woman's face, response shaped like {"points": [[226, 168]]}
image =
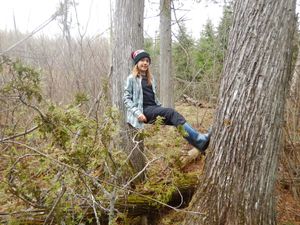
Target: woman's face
{"points": [[143, 64]]}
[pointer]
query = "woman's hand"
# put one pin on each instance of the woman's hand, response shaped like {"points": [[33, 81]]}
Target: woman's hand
{"points": [[142, 118]]}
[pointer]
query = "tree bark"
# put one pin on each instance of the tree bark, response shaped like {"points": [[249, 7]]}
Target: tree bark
{"points": [[135, 149], [240, 172], [165, 67], [127, 37]]}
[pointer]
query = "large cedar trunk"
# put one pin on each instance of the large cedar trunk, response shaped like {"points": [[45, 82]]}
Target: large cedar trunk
{"points": [[127, 37], [165, 66], [238, 185]]}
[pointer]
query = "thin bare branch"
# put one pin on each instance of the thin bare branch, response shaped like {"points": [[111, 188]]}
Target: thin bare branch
{"points": [[40, 27], [140, 172], [63, 190], [19, 135]]}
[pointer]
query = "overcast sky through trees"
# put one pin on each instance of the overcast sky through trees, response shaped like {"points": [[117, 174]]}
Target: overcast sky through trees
{"points": [[94, 16]]}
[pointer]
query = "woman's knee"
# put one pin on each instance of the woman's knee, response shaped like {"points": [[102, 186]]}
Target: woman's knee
{"points": [[169, 112]]}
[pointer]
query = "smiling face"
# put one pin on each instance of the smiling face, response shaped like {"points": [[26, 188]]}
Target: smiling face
{"points": [[143, 64]]}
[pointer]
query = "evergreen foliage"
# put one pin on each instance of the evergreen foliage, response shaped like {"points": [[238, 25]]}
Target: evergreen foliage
{"points": [[198, 63], [61, 156], [206, 53], [183, 51], [224, 29]]}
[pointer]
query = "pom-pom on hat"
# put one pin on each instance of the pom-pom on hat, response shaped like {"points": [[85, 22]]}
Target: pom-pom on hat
{"points": [[139, 54]]}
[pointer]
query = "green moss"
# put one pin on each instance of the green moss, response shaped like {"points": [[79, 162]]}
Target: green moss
{"points": [[186, 180], [137, 199], [153, 194]]}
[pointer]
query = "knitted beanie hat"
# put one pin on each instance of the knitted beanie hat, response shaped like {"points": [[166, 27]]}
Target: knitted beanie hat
{"points": [[138, 55]]}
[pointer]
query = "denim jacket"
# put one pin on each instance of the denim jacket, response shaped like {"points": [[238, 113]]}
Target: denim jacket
{"points": [[133, 99]]}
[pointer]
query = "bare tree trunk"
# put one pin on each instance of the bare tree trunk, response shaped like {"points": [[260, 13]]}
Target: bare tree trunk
{"points": [[136, 151], [165, 67], [128, 36], [238, 184]]}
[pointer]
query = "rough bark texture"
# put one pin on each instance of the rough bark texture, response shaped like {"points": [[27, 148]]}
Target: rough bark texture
{"points": [[165, 67], [240, 172], [127, 37], [136, 151]]}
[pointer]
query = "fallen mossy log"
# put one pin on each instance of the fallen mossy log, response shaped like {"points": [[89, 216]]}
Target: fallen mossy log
{"points": [[176, 194], [148, 199]]}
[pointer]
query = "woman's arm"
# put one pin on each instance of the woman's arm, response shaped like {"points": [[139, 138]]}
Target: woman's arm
{"points": [[128, 98]]}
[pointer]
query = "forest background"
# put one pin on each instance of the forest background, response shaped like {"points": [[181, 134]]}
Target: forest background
{"points": [[58, 127]]}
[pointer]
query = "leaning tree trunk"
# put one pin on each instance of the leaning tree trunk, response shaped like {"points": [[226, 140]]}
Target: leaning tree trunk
{"points": [[127, 37], [165, 66], [238, 184]]}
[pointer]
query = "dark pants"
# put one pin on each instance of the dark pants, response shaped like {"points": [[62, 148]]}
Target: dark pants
{"points": [[171, 116]]}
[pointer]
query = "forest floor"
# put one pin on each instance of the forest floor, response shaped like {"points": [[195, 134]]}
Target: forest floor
{"points": [[168, 144]]}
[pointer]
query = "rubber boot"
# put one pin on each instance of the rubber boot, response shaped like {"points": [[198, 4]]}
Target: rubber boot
{"points": [[198, 140]]}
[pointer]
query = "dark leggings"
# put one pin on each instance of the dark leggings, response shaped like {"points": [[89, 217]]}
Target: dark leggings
{"points": [[171, 116]]}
